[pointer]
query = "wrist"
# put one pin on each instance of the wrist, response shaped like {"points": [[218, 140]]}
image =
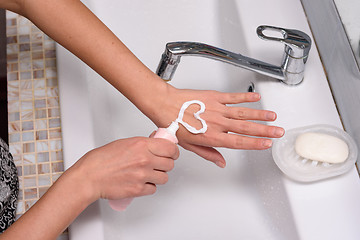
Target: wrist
{"points": [[77, 181]]}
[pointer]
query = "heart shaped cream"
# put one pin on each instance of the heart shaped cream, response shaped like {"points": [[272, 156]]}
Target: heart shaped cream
{"points": [[196, 115]]}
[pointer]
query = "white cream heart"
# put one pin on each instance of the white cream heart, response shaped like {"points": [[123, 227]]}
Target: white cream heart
{"points": [[196, 115]]}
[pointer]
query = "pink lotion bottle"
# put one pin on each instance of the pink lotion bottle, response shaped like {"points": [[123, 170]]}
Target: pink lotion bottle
{"points": [[166, 133]]}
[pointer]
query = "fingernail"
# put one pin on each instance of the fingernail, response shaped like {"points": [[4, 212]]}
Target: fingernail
{"points": [[270, 116], [220, 164], [256, 96], [279, 132], [267, 143]]}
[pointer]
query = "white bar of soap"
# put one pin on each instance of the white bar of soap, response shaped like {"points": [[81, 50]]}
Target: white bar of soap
{"points": [[321, 147]]}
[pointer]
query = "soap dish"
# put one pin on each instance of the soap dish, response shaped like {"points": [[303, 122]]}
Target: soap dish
{"points": [[304, 170]]}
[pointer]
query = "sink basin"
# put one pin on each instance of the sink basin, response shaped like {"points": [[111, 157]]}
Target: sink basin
{"points": [[249, 199]]}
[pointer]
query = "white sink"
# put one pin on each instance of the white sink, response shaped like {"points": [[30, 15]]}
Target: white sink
{"points": [[250, 198]]}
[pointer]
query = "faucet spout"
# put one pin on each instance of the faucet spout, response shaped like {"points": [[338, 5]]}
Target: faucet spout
{"points": [[175, 50]]}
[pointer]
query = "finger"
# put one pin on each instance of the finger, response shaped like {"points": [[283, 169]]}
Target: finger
{"points": [[148, 189], [207, 153], [163, 148], [163, 164], [234, 98], [234, 141], [157, 177], [241, 113], [253, 129]]}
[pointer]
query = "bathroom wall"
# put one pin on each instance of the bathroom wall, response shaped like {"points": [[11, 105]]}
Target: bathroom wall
{"points": [[33, 110]]}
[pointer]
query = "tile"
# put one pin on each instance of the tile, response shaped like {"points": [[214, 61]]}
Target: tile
{"points": [[15, 137], [13, 106], [24, 47], [15, 148], [12, 49], [56, 156], [37, 55], [36, 37], [26, 85], [11, 31], [26, 126], [55, 145], [39, 93], [57, 167], [42, 157], [49, 45], [11, 39], [40, 113], [29, 170], [29, 158], [40, 124], [25, 66], [53, 112], [44, 180], [29, 182], [52, 92], [51, 82], [27, 115], [40, 103], [51, 73], [26, 105], [25, 75], [38, 64], [27, 95], [53, 102], [14, 116], [28, 136], [12, 67], [25, 29], [13, 76], [13, 58], [38, 74], [11, 22], [24, 56], [55, 133], [13, 86], [50, 54], [43, 168], [42, 135], [42, 146], [14, 127], [50, 62], [24, 38], [29, 147], [39, 83], [37, 46], [54, 123], [13, 96]]}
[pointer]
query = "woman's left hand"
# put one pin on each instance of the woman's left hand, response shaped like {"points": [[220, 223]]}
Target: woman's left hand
{"points": [[228, 126]]}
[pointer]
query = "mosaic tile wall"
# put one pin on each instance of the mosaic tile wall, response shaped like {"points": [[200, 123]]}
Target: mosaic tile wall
{"points": [[33, 106]]}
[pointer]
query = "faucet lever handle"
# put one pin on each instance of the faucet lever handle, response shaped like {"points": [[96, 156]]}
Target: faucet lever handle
{"points": [[297, 43]]}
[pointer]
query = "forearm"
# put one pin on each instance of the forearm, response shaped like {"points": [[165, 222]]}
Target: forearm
{"points": [[82, 33], [53, 213]]}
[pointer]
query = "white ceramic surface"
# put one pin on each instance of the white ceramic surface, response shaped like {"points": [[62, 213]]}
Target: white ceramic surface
{"points": [[250, 198]]}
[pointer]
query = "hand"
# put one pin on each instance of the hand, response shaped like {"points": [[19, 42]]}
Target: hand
{"points": [[127, 168], [228, 126]]}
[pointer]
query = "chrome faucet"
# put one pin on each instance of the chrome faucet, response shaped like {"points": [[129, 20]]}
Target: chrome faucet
{"points": [[291, 70]]}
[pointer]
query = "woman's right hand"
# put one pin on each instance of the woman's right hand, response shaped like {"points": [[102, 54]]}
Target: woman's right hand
{"points": [[126, 168]]}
